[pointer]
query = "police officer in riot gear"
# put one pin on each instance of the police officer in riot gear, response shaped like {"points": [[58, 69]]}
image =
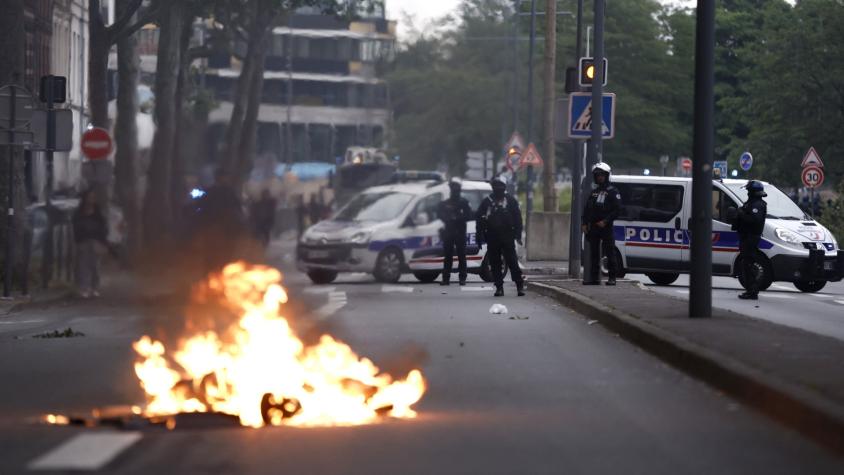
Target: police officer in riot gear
{"points": [[601, 210], [454, 213], [749, 222], [499, 222]]}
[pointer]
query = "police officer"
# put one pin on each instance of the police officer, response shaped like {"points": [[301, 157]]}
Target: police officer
{"points": [[499, 222], [749, 222], [601, 210], [454, 213]]}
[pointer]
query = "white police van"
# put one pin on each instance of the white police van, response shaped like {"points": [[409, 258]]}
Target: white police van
{"points": [[652, 234], [389, 230]]}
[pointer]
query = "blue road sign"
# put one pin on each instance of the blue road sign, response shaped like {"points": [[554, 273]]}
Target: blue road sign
{"points": [[746, 161], [721, 166], [580, 115]]}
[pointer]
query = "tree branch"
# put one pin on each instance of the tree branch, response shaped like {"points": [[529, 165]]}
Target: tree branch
{"points": [[148, 17]]}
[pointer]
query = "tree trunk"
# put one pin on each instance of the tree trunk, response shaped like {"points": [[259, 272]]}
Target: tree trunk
{"points": [[246, 148], [126, 135], [158, 213], [12, 50], [98, 49], [183, 124], [549, 194]]}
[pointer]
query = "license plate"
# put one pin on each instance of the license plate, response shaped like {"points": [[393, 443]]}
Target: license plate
{"points": [[319, 254], [829, 265]]}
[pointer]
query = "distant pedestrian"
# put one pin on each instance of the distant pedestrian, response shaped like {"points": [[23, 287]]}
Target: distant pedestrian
{"points": [[454, 212], [750, 222], [499, 222], [221, 223], [262, 217], [599, 214], [90, 229], [314, 210]]}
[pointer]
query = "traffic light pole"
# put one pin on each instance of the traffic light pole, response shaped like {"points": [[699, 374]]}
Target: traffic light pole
{"points": [[575, 235], [700, 286], [595, 144]]}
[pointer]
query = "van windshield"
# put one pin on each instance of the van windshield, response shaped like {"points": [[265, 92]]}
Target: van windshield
{"points": [[382, 206], [779, 204]]}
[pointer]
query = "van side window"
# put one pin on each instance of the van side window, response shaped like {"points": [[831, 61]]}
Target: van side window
{"points": [[720, 203], [429, 205], [650, 202]]}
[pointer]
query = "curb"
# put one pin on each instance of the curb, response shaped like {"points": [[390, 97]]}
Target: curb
{"points": [[816, 418], [34, 303]]}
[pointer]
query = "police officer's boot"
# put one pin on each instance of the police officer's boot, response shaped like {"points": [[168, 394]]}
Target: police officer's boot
{"points": [[520, 288], [499, 291], [749, 296], [611, 281]]}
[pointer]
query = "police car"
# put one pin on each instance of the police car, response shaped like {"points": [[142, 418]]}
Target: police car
{"points": [[387, 231], [652, 234]]}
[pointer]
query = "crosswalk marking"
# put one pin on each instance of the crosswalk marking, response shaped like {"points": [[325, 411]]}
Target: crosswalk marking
{"points": [[839, 302], [336, 301], [319, 290], [475, 289], [86, 451], [396, 289], [777, 296]]}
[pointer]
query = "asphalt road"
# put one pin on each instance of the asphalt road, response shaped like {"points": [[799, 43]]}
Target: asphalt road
{"points": [[538, 390], [820, 312]]}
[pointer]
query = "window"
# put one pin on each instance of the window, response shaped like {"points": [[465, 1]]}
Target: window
{"points": [[720, 204], [429, 205], [649, 202]]}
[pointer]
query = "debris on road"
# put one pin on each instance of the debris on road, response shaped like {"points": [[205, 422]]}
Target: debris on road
{"points": [[592, 322], [67, 333], [497, 309], [519, 317]]}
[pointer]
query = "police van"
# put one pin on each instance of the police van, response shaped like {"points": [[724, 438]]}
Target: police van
{"points": [[389, 230], [652, 234]]}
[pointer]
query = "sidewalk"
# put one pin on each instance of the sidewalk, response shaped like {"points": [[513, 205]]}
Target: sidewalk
{"points": [[793, 376], [545, 268]]}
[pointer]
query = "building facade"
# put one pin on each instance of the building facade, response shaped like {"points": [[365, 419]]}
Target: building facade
{"points": [[332, 67]]}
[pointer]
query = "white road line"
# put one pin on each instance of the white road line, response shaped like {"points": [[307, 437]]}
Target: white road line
{"points": [[782, 287], [336, 301], [337, 296], [839, 302], [21, 322], [682, 291], [86, 451], [475, 289], [319, 290], [822, 296], [777, 296], [396, 288]]}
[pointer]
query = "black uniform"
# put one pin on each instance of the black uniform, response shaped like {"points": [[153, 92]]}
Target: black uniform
{"points": [[603, 205], [500, 225], [454, 213], [750, 221]]}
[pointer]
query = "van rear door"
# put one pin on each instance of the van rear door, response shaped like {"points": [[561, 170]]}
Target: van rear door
{"points": [[653, 218]]}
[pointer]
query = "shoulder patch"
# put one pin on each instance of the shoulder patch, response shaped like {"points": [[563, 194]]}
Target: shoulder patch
{"points": [[755, 210]]}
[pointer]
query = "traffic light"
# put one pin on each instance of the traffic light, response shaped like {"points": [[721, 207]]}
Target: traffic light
{"points": [[586, 74]]}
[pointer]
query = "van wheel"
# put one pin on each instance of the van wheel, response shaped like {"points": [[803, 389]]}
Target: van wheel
{"points": [[388, 266], [663, 278], [485, 272], [322, 276], [810, 286], [763, 270], [426, 276], [620, 272]]}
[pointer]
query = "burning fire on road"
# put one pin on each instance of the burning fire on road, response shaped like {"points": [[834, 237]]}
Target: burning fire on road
{"points": [[256, 368]]}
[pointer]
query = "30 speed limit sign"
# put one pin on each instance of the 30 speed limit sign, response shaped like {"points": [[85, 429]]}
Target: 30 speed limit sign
{"points": [[812, 177]]}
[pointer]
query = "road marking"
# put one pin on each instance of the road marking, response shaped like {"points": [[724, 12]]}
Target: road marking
{"points": [[396, 288], [839, 302], [336, 301], [822, 296], [682, 291], [21, 322], [782, 287], [475, 289], [319, 290], [86, 451], [778, 296]]}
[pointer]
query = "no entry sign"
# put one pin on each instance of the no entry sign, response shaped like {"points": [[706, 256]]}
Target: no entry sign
{"points": [[96, 143], [812, 176]]}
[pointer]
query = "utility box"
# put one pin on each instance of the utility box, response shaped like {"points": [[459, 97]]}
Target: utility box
{"points": [[548, 236]]}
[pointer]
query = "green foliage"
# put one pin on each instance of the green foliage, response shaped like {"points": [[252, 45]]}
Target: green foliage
{"points": [[833, 216]]}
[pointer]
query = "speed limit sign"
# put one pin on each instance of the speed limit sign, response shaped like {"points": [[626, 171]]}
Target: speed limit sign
{"points": [[812, 177]]}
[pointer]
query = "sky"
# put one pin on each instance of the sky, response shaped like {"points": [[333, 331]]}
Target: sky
{"points": [[426, 10]]}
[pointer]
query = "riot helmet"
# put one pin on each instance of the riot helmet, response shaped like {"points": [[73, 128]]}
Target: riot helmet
{"points": [[755, 189], [601, 169]]}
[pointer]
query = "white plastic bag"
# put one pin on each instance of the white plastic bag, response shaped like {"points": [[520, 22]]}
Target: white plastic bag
{"points": [[497, 309]]}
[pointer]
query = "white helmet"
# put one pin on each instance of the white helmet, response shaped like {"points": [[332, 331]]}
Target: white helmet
{"points": [[499, 178], [601, 167]]}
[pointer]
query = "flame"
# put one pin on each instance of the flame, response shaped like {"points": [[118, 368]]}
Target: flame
{"points": [[260, 371]]}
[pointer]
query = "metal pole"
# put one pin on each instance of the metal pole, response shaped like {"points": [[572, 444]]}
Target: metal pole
{"points": [[530, 71], [700, 287], [47, 263], [516, 66], [10, 213], [812, 202], [549, 193], [575, 236], [595, 144]]}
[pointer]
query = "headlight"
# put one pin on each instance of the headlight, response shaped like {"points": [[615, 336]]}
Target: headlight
{"points": [[788, 236], [359, 238]]}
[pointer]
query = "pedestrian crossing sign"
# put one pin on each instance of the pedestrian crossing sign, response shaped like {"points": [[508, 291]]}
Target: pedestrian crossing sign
{"points": [[580, 115]]}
